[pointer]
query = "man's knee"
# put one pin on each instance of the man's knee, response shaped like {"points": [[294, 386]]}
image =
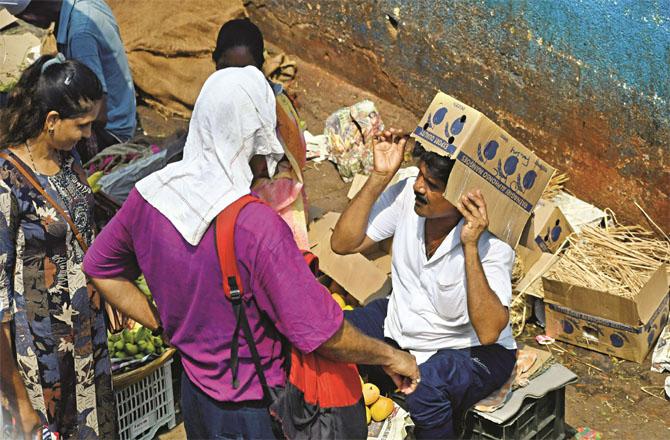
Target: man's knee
{"points": [[445, 379], [429, 406]]}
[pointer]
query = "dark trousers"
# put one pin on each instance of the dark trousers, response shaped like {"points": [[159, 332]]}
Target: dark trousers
{"points": [[451, 380], [206, 418]]}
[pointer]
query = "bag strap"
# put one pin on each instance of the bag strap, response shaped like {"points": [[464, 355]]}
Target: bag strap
{"points": [[232, 287], [32, 180]]}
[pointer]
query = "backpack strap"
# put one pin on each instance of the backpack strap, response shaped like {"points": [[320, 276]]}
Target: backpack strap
{"points": [[233, 288]]}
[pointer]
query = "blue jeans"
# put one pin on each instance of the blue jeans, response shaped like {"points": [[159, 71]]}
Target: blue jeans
{"points": [[206, 418], [451, 380]]}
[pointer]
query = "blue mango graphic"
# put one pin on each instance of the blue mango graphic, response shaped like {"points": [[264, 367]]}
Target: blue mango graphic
{"points": [[457, 125], [529, 179], [510, 165], [617, 340], [556, 231], [439, 115], [567, 327], [490, 150], [650, 338]]}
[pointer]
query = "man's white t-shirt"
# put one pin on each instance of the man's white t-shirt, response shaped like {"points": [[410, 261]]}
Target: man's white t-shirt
{"points": [[428, 308]]}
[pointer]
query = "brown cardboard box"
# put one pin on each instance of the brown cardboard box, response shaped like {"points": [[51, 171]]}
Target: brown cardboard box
{"points": [[365, 277], [510, 176], [610, 324], [547, 228], [535, 264]]}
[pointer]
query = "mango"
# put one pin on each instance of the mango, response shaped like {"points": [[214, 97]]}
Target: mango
{"points": [[368, 414], [128, 336], [381, 409], [347, 307], [370, 393], [150, 348], [339, 300], [132, 349], [118, 345]]}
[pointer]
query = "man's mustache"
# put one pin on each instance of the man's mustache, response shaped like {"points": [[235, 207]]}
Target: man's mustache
{"points": [[421, 198]]}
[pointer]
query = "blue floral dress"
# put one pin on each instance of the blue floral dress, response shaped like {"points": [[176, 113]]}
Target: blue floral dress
{"points": [[57, 319]]}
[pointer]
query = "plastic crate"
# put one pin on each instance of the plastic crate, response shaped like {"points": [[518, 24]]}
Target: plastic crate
{"points": [[542, 418], [146, 405]]}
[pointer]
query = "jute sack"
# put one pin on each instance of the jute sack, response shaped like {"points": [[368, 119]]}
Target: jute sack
{"points": [[169, 45]]}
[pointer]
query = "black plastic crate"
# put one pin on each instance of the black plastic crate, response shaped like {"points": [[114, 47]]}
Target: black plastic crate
{"points": [[540, 419]]}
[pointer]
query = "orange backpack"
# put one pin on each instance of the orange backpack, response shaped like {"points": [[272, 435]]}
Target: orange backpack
{"points": [[322, 398]]}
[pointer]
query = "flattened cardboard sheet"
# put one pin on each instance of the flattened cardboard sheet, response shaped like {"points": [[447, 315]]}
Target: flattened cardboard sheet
{"points": [[364, 278]]}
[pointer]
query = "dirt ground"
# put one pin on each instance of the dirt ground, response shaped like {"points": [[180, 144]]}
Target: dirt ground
{"points": [[621, 399]]}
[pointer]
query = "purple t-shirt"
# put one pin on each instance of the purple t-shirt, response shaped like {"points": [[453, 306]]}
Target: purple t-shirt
{"points": [[186, 284]]}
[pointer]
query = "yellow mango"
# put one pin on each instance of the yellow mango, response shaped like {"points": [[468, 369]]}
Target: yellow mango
{"points": [[339, 300], [381, 409], [370, 393]]}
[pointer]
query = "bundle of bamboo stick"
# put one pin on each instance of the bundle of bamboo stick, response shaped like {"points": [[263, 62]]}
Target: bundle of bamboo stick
{"points": [[617, 259], [555, 185]]}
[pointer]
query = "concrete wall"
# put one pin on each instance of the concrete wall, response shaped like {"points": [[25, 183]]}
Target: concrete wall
{"points": [[586, 84]]}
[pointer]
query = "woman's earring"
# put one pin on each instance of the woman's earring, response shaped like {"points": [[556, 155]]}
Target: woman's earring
{"points": [[51, 131]]}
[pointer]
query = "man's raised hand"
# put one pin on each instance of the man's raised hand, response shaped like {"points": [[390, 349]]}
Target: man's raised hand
{"points": [[388, 148]]}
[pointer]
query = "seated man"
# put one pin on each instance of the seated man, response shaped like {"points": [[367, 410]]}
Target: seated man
{"points": [[86, 31], [451, 285]]}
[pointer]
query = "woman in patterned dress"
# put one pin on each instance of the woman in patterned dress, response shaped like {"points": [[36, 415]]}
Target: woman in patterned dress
{"points": [[51, 317]]}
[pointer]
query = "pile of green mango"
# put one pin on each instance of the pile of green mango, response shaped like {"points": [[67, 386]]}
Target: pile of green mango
{"points": [[141, 284], [135, 343]]}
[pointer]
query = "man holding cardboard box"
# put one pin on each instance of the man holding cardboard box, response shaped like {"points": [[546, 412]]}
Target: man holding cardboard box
{"points": [[451, 284]]}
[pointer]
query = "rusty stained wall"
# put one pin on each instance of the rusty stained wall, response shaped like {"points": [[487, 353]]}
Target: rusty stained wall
{"points": [[585, 84]]}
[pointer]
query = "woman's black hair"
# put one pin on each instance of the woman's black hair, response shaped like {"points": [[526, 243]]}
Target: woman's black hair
{"points": [[439, 166], [69, 88], [240, 33]]}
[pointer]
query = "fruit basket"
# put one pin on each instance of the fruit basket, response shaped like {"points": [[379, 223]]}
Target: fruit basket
{"points": [[145, 399]]}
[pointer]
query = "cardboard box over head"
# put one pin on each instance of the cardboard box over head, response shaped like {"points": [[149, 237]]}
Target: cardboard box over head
{"points": [[510, 176], [607, 323]]}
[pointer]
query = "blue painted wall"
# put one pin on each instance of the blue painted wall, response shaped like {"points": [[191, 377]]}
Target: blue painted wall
{"points": [[584, 83]]}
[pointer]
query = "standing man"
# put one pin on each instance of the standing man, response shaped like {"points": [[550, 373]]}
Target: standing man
{"points": [[239, 44], [86, 30], [165, 230], [451, 285]]}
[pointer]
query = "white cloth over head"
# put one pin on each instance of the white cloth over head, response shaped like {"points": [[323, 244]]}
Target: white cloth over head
{"points": [[234, 119]]}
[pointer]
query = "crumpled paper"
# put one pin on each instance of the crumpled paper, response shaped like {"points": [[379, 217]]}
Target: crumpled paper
{"points": [[350, 132], [660, 360]]}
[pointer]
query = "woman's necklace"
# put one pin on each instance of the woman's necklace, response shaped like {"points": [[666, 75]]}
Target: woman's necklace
{"points": [[32, 161], [30, 155]]}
